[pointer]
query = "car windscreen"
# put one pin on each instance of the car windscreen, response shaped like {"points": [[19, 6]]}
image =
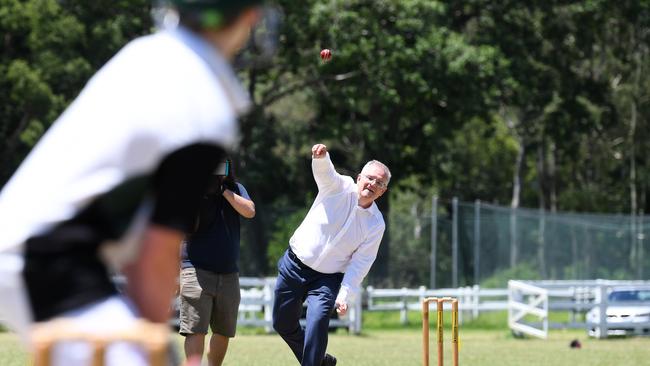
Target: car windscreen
{"points": [[630, 295]]}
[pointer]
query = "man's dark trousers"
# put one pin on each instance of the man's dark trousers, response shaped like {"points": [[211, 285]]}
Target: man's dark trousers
{"points": [[297, 282]]}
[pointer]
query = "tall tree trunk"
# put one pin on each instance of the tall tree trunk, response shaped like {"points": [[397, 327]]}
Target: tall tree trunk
{"points": [[552, 200], [417, 222], [633, 193], [514, 204], [633, 187], [513, 122]]}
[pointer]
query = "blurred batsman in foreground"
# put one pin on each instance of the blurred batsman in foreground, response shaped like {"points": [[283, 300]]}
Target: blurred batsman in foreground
{"points": [[116, 181], [329, 255]]}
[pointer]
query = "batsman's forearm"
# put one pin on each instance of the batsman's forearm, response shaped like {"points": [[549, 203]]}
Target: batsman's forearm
{"points": [[153, 276]]}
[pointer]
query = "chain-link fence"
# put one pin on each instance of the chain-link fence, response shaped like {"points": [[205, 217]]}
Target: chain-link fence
{"points": [[479, 243]]}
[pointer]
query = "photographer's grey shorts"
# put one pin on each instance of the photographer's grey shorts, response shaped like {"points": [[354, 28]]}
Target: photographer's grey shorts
{"points": [[209, 299]]}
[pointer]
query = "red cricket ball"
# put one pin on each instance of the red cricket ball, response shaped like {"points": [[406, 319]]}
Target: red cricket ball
{"points": [[326, 54]]}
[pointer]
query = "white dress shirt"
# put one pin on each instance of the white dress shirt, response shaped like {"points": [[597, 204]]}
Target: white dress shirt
{"points": [[338, 235]]}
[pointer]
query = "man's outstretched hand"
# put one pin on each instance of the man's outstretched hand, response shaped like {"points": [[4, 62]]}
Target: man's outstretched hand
{"points": [[341, 307]]}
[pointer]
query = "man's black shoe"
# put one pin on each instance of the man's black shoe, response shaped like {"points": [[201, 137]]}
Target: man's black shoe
{"points": [[328, 360]]}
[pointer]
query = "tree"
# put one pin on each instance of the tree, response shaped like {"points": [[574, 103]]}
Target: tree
{"points": [[399, 85], [50, 48]]}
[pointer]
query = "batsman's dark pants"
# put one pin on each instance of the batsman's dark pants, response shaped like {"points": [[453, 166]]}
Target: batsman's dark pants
{"points": [[296, 283]]}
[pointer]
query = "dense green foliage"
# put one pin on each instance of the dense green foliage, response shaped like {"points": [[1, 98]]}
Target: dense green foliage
{"points": [[536, 103], [49, 50]]}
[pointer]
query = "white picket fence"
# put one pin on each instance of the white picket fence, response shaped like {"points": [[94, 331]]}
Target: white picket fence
{"points": [[528, 303], [522, 299], [574, 297], [472, 300], [256, 306]]}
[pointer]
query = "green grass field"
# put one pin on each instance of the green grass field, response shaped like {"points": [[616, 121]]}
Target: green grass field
{"points": [[481, 345]]}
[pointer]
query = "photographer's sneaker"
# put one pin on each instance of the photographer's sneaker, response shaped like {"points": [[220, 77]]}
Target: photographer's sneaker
{"points": [[328, 360]]}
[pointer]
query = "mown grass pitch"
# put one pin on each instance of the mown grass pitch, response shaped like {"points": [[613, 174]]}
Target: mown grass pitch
{"points": [[479, 347]]}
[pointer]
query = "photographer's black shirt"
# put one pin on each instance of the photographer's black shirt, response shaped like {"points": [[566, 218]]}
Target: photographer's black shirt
{"points": [[214, 246]]}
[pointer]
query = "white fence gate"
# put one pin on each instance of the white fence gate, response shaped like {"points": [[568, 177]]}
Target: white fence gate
{"points": [[529, 303], [526, 300]]}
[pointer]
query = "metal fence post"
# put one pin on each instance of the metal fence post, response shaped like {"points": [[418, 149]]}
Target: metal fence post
{"points": [[268, 306], [403, 313], [477, 240], [434, 241], [640, 255], [422, 293], [475, 300], [358, 313], [454, 243], [602, 321], [634, 263], [513, 237]]}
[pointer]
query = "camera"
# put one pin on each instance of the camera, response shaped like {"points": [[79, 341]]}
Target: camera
{"points": [[223, 169]]}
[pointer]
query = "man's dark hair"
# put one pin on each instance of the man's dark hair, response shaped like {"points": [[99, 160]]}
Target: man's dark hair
{"points": [[202, 14]]}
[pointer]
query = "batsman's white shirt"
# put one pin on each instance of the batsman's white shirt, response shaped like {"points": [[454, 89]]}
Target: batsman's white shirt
{"points": [[159, 93], [338, 235]]}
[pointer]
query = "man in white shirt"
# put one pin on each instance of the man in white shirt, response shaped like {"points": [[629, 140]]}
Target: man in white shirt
{"points": [[329, 255], [124, 168]]}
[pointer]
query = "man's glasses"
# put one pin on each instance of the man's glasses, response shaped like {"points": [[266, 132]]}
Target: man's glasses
{"points": [[375, 180]]}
